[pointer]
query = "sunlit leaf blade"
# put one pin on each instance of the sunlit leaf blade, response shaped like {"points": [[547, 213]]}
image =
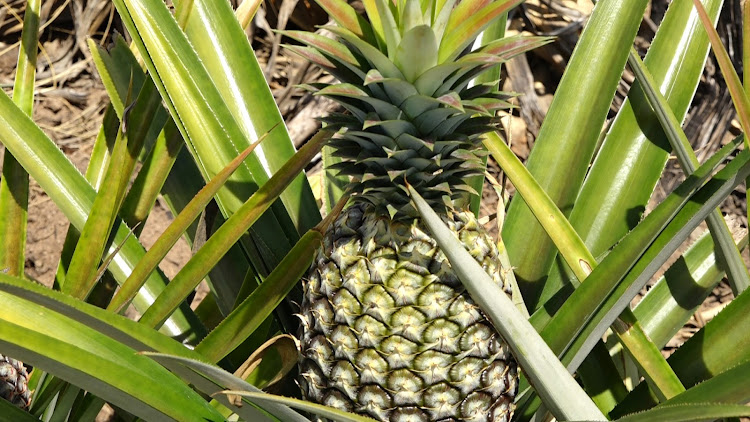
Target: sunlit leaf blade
{"points": [[207, 125], [495, 31], [417, 52], [633, 154], [599, 278], [568, 136], [317, 409], [576, 310], [546, 212], [695, 211], [123, 330], [689, 412], [739, 278], [246, 11], [234, 69], [347, 17], [116, 68], [72, 193], [78, 354], [182, 184], [581, 261], [165, 167], [730, 386], [560, 392], [211, 380], [226, 236], [14, 183], [151, 177], [646, 356]]}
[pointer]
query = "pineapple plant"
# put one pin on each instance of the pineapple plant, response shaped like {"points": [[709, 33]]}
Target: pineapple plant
{"points": [[398, 292], [388, 330]]}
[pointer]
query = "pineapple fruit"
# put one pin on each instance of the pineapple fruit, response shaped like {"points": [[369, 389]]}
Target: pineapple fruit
{"points": [[13, 382], [388, 330]]}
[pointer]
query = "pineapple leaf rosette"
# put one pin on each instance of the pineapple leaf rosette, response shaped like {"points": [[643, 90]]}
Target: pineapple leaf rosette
{"points": [[388, 330]]}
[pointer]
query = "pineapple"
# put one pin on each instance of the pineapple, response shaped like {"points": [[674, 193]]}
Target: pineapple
{"points": [[13, 382], [388, 330]]}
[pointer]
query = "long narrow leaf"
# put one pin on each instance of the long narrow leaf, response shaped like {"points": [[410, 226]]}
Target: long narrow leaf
{"points": [[695, 211], [559, 391], [600, 279], [150, 180], [73, 194], [117, 327], [689, 412], [576, 310], [730, 255], [544, 209], [221, 241], [740, 100], [568, 136], [317, 409], [249, 100], [93, 239], [166, 168], [172, 234], [205, 120], [730, 386], [14, 184], [671, 302], [11, 412]]}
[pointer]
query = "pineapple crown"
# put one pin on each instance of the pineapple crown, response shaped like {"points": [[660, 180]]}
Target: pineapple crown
{"points": [[406, 76]]}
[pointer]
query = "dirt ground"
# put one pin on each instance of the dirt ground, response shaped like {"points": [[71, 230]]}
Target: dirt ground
{"points": [[70, 102]]}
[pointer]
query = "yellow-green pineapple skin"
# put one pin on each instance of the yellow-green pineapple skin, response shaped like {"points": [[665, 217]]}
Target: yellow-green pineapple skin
{"points": [[389, 332]]}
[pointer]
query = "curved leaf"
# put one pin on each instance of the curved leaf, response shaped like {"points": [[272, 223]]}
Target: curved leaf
{"points": [[318, 409], [89, 359], [211, 379], [689, 412]]}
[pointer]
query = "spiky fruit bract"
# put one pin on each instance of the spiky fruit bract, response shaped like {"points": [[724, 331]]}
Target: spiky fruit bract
{"points": [[388, 330]]}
